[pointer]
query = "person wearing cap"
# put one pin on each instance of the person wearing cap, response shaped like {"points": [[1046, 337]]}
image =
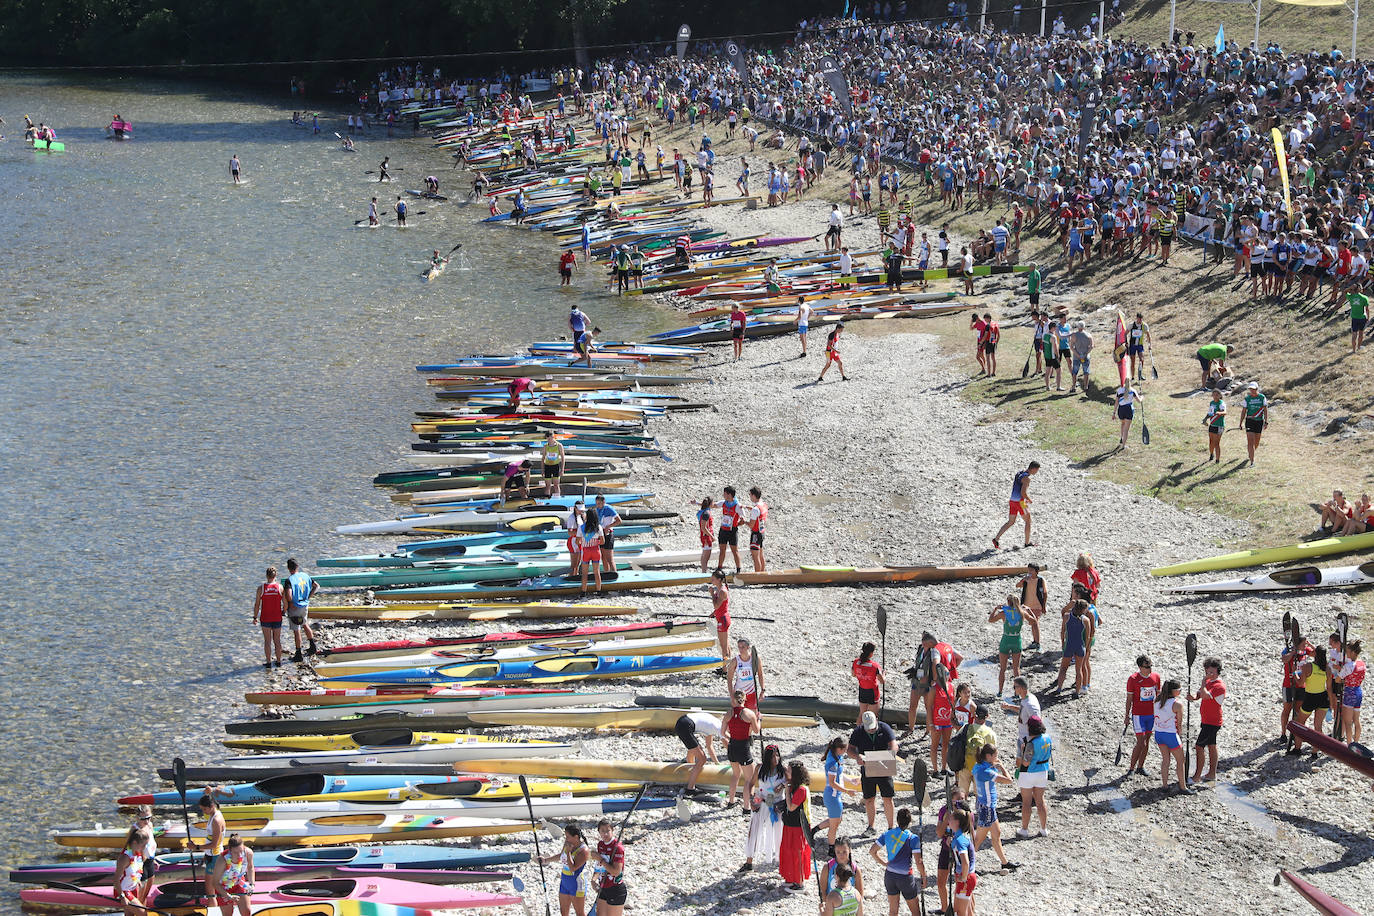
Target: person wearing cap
{"points": [[1080, 345], [1256, 418], [870, 736], [1125, 400]]}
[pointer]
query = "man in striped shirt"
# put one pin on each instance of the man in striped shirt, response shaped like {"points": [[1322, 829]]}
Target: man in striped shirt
{"points": [[1000, 234]]}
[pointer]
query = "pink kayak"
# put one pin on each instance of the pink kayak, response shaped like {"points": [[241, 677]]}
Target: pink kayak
{"points": [[183, 894]]}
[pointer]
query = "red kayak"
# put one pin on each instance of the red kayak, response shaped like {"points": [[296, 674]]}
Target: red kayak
{"points": [[1357, 756], [522, 637], [1319, 899]]}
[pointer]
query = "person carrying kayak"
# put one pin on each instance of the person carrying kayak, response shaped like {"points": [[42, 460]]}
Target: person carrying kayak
{"points": [[431, 184]]}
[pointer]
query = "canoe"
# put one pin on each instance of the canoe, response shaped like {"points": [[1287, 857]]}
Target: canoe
{"points": [[186, 896], [173, 866], [627, 770], [1293, 578], [438, 706], [809, 707], [846, 575], [523, 636], [307, 784], [327, 829], [434, 270], [417, 610], [512, 808], [1260, 556], [369, 738], [1357, 757], [1323, 901], [672, 645], [472, 517], [495, 568], [546, 671], [405, 754], [320, 696], [638, 718], [629, 580]]}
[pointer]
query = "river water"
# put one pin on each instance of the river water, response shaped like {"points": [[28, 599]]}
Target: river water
{"points": [[199, 380]]}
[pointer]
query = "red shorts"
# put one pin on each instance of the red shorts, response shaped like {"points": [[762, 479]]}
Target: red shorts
{"points": [[723, 624], [591, 554], [1015, 507], [707, 540], [751, 701], [574, 548], [966, 887]]}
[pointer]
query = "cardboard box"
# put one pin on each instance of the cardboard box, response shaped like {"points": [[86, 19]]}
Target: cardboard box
{"points": [[880, 763]]}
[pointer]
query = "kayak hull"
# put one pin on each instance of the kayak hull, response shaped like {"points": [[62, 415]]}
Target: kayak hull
{"points": [[1259, 557], [627, 770]]}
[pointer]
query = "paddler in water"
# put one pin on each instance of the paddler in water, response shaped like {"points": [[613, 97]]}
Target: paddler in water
{"points": [[372, 219], [401, 209], [348, 143], [437, 261], [234, 168], [431, 184], [382, 173]]}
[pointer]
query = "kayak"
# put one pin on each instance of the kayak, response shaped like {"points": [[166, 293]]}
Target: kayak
{"points": [[469, 517], [186, 896], [1355, 756], [545, 671], [492, 568], [320, 696], [567, 586], [519, 637], [656, 646], [448, 752], [1295, 577], [415, 610], [639, 718], [411, 788], [371, 738], [308, 784], [514, 808], [1323, 901], [1346, 544], [431, 707], [324, 830], [846, 575], [810, 707], [646, 771], [434, 270]]}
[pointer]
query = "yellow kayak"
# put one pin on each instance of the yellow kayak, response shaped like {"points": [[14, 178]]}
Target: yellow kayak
{"points": [[636, 770], [439, 610], [638, 717], [377, 737], [1294, 552]]}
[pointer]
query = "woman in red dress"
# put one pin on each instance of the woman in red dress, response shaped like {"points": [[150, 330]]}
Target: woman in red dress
{"points": [[794, 856]]}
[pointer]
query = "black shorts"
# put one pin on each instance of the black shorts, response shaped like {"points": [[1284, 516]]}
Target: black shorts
{"points": [[553, 470], [565, 271], [872, 785], [1207, 735], [868, 695], [832, 232], [728, 537], [608, 540], [1165, 241], [1292, 695], [737, 333], [1358, 324], [1311, 702], [906, 885], [740, 750], [1311, 270], [686, 731], [519, 480], [1254, 424], [1052, 362], [1034, 298], [946, 858], [989, 346], [613, 894], [756, 539]]}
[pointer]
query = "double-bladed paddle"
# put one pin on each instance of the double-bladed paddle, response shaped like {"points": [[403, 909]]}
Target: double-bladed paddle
{"points": [[529, 806]]}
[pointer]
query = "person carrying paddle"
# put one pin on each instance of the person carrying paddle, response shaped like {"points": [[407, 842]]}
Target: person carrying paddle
{"points": [[269, 608], [382, 173], [1142, 689], [832, 353], [213, 847], [1211, 694], [572, 858], [609, 862], [1350, 680], [1019, 506]]}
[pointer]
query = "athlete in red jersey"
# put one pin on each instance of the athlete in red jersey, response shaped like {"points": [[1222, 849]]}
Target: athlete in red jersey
{"points": [[610, 879], [1142, 689], [740, 726], [269, 605], [1211, 693], [720, 610], [870, 676], [730, 517]]}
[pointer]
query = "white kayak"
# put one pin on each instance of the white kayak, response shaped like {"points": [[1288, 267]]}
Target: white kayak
{"points": [[677, 645], [418, 753], [1291, 579], [416, 523], [441, 706]]}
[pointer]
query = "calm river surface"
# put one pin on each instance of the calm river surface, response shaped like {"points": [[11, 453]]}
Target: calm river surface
{"points": [[198, 380]]}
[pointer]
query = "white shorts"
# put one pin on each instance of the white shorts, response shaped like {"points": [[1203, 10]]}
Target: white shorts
{"points": [[1028, 780]]}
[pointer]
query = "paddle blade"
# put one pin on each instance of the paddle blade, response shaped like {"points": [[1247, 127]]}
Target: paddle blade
{"points": [[1025, 370], [1154, 372], [1190, 647], [1343, 625], [179, 778], [882, 620], [920, 773], [1144, 433], [1287, 622], [824, 730], [1295, 629], [684, 810]]}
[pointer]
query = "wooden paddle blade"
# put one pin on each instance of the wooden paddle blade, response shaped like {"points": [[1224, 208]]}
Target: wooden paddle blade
{"points": [[1190, 647]]}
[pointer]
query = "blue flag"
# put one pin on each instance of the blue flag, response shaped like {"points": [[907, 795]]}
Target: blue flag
{"points": [[1221, 38], [1057, 81]]}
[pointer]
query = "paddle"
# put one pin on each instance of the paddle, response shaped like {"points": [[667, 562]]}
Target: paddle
{"points": [[106, 897], [1292, 633], [1190, 650], [453, 249], [919, 774], [732, 617], [629, 814], [1121, 742], [389, 170], [1342, 629], [529, 805], [882, 634], [1144, 427], [179, 781], [519, 886], [1025, 370], [1153, 371]]}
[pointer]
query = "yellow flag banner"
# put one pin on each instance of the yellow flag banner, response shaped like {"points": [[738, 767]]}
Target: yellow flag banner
{"points": [[1283, 170]]}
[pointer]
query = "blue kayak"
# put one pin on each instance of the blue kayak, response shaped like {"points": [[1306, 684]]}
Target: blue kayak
{"points": [[571, 667], [269, 790]]}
